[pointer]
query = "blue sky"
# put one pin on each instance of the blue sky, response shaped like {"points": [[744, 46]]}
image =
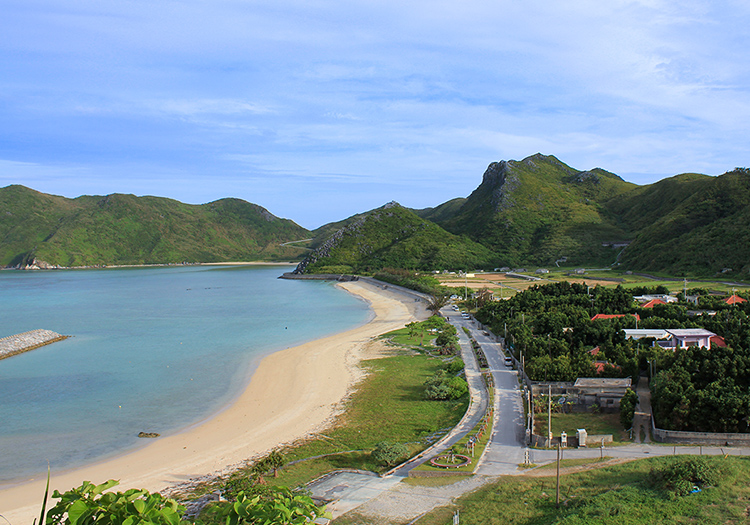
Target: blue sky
{"points": [[321, 109]]}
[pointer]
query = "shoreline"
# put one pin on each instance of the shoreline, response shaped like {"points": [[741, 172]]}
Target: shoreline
{"points": [[293, 394], [149, 265]]}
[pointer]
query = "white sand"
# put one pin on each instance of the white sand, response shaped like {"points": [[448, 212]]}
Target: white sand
{"points": [[292, 394]]}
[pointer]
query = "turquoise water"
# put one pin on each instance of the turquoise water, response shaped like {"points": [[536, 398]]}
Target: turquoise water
{"points": [[153, 349]]}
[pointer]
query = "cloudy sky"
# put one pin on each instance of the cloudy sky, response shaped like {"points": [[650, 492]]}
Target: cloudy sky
{"points": [[319, 109]]}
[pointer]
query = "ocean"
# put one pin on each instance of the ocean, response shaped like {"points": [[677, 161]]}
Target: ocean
{"points": [[152, 349]]}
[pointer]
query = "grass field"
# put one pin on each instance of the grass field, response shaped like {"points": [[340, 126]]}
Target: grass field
{"points": [[593, 423], [613, 495]]}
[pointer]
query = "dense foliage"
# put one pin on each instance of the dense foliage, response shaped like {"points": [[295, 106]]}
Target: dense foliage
{"points": [[551, 327], [627, 408], [693, 389], [277, 505], [125, 229], [89, 504]]}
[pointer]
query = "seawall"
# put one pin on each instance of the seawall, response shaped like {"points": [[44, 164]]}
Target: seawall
{"points": [[20, 343]]}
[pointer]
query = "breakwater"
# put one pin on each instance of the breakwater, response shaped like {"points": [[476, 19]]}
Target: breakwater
{"points": [[20, 343]]}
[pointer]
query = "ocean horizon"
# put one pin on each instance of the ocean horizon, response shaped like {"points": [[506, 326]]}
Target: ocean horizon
{"points": [[153, 349]]}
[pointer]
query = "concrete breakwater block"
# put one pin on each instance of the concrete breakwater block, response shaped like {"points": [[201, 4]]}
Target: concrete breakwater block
{"points": [[19, 343]]}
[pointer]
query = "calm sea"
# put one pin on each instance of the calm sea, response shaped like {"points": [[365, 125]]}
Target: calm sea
{"points": [[153, 349]]}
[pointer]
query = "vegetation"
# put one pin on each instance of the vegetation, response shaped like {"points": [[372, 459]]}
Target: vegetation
{"points": [[694, 389], [389, 454], [620, 494], [539, 210], [681, 476], [627, 408], [278, 506], [682, 225], [412, 280], [89, 504], [389, 405], [125, 229], [442, 386], [395, 237]]}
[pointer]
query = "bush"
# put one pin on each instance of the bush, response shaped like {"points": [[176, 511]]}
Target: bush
{"points": [[627, 408], [678, 476], [454, 366], [388, 453], [91, 503], [442, 387]]}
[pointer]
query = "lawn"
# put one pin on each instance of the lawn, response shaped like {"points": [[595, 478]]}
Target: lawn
{"points": [[593, 423], [620, 494]]}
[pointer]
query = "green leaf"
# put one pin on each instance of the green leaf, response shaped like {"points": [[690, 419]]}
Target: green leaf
{"points": [[78, 511]]}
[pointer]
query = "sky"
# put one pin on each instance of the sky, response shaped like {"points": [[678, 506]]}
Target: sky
{"points": [[321, 109]]}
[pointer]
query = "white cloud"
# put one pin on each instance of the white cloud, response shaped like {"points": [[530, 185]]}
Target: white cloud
{"points": [[338, 97]]}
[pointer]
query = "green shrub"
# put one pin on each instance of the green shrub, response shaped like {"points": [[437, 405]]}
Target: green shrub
{"points": [[678, 476], [454, 366], [89, 504], [441, 387], [388, 453], [277, 505]]}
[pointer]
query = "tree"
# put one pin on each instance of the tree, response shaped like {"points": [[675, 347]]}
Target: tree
{"points": [[275, 461], [627, 408], [436, 302]]}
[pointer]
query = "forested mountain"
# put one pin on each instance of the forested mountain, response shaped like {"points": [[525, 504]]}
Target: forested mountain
{"points": [[393, 236], [693, 224], [539, 210], [125, 229]]}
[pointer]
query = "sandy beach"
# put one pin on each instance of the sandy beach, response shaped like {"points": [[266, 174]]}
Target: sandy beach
{"points": [[292, 394]]}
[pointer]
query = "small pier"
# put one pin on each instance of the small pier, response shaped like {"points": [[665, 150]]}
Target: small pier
{"points": [[20, 343]]}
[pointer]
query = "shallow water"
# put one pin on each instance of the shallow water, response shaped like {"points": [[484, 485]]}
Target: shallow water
{"points": [[153, 349]]}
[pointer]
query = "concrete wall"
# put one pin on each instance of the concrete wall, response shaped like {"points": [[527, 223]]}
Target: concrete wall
{"points": [[698, 438]]}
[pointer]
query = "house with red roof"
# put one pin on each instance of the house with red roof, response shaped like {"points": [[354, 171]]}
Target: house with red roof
{"points": [[600, 365], [652, 303], [612, 316], [735, 299]]}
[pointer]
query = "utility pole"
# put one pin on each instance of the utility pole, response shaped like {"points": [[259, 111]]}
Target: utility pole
{"points": [[557, 490], [549, 414]]}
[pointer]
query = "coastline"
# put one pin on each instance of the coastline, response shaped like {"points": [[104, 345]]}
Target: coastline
{"points": [[292, 394]]}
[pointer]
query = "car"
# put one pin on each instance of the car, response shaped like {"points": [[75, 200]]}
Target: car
{"points": [[508, 361], [486, 333]]}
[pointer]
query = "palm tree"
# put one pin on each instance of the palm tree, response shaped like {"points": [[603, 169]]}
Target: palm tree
{"points": [[436, 302]]}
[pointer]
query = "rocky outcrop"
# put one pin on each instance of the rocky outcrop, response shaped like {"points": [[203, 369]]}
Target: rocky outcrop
{"points": [[324, 250]]}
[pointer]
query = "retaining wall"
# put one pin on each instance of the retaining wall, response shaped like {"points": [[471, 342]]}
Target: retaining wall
{"points": [[698, 438]]}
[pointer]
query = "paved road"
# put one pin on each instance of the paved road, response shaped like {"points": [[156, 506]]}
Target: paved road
{"points": [[505, 451], [367, 493]]}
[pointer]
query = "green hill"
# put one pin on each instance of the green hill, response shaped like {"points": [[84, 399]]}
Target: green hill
{"points": [[540, 210], [125, 229], [689, 224], [393, 236], [443, 212]]}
